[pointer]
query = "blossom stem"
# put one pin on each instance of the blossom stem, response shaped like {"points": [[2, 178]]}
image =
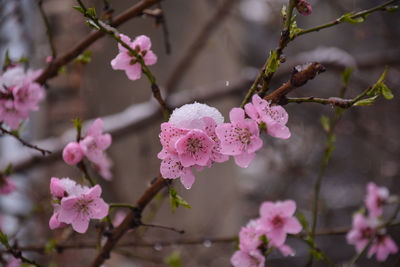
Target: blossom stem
{"points": [[114, 34], [354, 16]]}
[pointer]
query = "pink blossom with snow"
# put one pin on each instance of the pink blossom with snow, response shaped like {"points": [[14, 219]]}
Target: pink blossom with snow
{"points": [[376, 197], [240, 138], [274, 117], [76, 204], [125, 60]]}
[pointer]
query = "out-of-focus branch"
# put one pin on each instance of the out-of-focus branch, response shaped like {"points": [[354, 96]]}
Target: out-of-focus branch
{"points": [[198, 43], [23, 142], [48, 31], [52, 69]]}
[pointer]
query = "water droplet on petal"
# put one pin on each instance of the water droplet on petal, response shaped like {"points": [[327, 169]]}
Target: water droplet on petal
{"points": [[207, 243], [227, 83], [158, 247]]}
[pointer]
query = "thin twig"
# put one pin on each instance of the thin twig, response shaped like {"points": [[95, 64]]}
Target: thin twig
{"points": [[48, 31], [23, 142], [197, 45]]}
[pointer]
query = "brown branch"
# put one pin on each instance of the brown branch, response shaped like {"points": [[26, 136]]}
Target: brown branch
{"points": [[334, 101], [52, 69], [23, 142], [300, 75], [198, 43]]}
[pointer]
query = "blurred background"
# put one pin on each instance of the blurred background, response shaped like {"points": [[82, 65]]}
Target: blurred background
{"points": [[225, 196]]}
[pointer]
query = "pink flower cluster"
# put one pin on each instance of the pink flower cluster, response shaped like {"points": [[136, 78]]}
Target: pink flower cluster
{"points": [[275, 222], [19, 94], [195, 136], [7, 186], [125, 60], [75, 204], [366, 228], [92, 146]]}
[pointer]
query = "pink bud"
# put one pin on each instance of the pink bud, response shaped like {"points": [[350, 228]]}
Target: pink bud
{"points": [[303, 7], [56, 187], [72, 153]]}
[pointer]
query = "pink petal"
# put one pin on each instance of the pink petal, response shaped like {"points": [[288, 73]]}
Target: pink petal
{"points": [[121, 61], [236, 115], [98, 209], [96, 128], [94, 192], [56, 187], [103, 141], [150, 58], [292, 226], [243, 160], [171, 167], [134, 72], [266, 208], [286, 250], [54, 223], [252, 112], [278, 131], [81, 223], [143, 42], [126, 40], [277, 237], [287, 207], [187, 178], [67, 212]]}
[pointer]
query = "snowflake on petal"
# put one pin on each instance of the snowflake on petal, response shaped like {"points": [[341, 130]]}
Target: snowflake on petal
{"points": [[125, 60], [240, 138]]}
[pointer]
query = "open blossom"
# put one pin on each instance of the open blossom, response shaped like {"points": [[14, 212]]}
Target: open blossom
{"points": [[249, 236], [375, 198], [20, 94], [383, 245], [189, 141], [125, 60], [72, 153], [362, 231], [253, 258], [278, 220], [274, 117], [78, 204], [7, 186], [240, 138]]}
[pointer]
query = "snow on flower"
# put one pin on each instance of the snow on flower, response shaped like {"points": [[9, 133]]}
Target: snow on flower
{"points": [[75, 204], [7, 186], [19, 94], [274, 117], [240, 138], [125, 60], [189, 140], [375, 198]]}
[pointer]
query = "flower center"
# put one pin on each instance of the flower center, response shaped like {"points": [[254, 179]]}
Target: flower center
{"points": [[278, 221], [82, 205], [193, 145]]}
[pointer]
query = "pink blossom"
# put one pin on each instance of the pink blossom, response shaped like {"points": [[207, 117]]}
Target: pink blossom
{"points": [[362, 231], [14, 262], [170, 135], [72, 153], [95, 142], [78, 210], [278, 220], [303, 7], [286, 250], [209, 129], [240, 138], [383, 245], [194, 148], [54, 223], [10, 115], [128, 62], [249, 236], [253, 258], [65, 187], [375, 198], [172, 168], [7, 186], [275, 117], [27, 95], [103, 167], [49, 59]]}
